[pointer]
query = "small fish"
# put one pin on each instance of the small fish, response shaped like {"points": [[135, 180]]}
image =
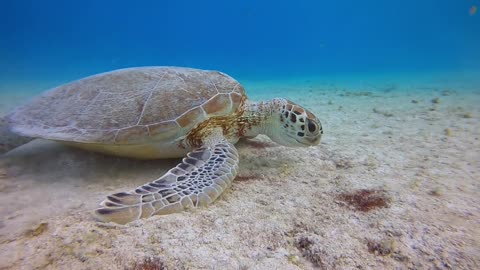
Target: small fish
{"points": [[473, 10]]}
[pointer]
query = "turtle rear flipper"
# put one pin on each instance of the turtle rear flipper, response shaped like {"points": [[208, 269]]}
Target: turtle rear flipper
{"points": [[8, 139], [197, 181]]}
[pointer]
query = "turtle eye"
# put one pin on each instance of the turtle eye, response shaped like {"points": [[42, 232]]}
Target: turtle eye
{"points": [[311, 126]]}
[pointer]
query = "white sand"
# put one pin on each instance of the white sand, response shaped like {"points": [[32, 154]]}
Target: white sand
{"points": [[284, 211]]}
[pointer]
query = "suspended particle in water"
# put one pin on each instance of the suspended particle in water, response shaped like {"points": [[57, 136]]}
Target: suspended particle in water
{"points": [[473, 10]]}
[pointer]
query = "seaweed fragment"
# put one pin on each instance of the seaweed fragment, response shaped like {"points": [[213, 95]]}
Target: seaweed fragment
{"points": [[446, 93], [148, 264], [243, 178], [310, 251], [384, 113], [343, 163], [37, 230], [383, 248], [304, 242], [358, 94], [365, 200]]}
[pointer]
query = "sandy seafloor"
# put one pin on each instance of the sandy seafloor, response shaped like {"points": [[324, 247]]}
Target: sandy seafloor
{"points": [[285, 210]]}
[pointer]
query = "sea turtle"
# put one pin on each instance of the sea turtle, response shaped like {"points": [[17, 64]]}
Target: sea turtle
{"points": [[164, 112]]}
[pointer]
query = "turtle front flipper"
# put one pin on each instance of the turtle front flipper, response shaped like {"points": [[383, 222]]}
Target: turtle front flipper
{"points": [[197, 181]]}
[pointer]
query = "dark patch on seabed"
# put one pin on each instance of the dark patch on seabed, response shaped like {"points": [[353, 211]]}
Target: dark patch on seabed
{"points": [[365, 200]]}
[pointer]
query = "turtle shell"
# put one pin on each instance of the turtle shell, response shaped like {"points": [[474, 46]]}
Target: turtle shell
{"points": [[129, 106]]}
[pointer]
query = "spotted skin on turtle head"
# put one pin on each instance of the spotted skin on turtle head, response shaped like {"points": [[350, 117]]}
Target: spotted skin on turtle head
{"points": [[299, 124]]}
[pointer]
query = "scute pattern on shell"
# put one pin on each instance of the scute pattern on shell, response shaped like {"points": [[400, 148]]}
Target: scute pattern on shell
{"points": [[129, 106]]}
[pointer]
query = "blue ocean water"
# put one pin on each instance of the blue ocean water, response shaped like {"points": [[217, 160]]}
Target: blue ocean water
{"points": [[57, 41]]}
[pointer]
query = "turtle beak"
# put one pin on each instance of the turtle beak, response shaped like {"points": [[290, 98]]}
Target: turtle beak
{"points": [[309, 141], [314, 141]]}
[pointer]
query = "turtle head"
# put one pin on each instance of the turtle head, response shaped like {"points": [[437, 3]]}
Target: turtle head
{"points": [[293, 125]]}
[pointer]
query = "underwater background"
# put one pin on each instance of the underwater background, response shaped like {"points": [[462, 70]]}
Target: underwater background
{"points": [[393, 184], [48, 42]]}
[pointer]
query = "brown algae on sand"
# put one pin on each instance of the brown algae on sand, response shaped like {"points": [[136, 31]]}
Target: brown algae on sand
{"points": [[311, 251], [384, 247], [148, 264], [37, 230], [365, 200]]}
